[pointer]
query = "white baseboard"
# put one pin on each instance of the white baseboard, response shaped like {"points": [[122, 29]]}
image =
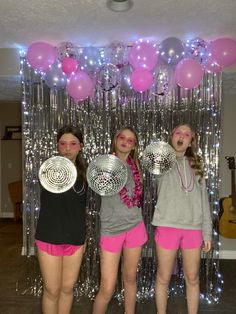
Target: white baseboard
{"points": [[6, 215], [227, 254]]}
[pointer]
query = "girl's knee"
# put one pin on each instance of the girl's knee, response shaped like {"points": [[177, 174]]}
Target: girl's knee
{"points": [[162, 280], [107, 291], [51, 292], [67, 289], [192, 280]]}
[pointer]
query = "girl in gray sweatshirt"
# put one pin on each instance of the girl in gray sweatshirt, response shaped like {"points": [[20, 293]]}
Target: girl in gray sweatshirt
{"points": [[183, 219], [122, 228]]}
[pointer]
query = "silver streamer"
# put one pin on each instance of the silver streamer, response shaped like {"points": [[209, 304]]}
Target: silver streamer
{"points": [[107, 175], [57, 174], [153, 115], [159, 157]]}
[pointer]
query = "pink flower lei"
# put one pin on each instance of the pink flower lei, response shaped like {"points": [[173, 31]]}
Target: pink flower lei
{"points": [[135, 199]]}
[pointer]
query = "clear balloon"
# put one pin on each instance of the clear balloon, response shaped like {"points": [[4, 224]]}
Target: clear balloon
{"points": [[116, 53], [171, 50], [196, 49], [109, 77], [188, 73], [55, 78], [125, 83], [67, 49], [69, 65], [162, 80], [223, 51], [80, 86], [90, 59], [41, 55], [143, 55], [141, 80]]}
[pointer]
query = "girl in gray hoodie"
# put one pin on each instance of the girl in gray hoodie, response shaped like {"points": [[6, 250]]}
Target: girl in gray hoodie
{"points": [[183, 220]]}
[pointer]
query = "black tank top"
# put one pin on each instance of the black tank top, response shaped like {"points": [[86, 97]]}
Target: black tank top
{"points": [[62, 217]]}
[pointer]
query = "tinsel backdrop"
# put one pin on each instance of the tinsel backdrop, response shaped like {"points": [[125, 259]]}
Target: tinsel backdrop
{"points": [[114, 104]]}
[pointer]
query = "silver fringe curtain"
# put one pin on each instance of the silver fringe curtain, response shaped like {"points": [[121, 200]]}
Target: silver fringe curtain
{"points": [[153, 114]]}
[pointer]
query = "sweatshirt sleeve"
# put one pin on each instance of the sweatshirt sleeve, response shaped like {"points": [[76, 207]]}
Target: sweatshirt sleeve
{"points": [[207, 220]]}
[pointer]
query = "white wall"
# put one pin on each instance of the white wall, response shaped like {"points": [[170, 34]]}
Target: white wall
{"points": [[228, 148], [10, 155], [9, 62]]}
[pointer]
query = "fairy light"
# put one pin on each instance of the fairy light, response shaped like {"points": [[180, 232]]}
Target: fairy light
{"points": [[216, 283]]}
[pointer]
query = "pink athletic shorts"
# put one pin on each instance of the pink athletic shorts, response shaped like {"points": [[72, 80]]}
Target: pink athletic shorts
{"points": [[57, 249], [133, 238], [173, 238]]}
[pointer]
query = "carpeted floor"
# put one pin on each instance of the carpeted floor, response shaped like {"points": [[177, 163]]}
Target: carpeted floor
{"points": [[17, 295]]}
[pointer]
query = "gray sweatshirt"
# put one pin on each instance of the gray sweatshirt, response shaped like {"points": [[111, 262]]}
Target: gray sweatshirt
{"points": [[183, 208], [115, 216]]}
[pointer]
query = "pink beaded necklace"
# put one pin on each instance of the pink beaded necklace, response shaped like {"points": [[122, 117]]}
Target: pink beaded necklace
{"points": [[185, 186], [133, 200]]}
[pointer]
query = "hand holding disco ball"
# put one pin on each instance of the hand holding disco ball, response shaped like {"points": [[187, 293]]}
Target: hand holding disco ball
{"points": [[57, 174], [159, 157], [107, 175]]}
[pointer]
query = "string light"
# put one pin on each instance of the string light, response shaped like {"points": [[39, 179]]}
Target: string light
{"points": [[45, 141]]}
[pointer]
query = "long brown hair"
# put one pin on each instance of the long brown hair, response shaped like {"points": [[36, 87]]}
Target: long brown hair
{"points": [[134, 151], [196, 161], [79, 162]]}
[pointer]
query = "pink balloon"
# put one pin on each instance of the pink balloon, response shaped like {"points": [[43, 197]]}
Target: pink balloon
{"points": [[188, 73], [223, 51], [143, 55], [212, 66], [41, 55], [80, 86], [69, 65], [141, 80]]}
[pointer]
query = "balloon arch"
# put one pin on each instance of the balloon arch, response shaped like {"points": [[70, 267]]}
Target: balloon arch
{"points": [[81, 69]]}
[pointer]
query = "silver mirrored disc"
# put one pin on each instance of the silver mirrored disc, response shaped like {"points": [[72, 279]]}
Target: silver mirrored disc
{"points": [[107, 175], [159, 157], [57, 174]]}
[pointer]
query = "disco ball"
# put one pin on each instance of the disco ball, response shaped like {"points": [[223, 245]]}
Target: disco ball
{"points": [[159, 157], [107, 175], [57, 174]]}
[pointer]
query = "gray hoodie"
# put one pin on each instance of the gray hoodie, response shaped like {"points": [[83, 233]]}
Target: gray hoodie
{"points": [[181, 204]]}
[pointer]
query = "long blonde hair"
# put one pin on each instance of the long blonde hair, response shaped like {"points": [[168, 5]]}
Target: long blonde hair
{"points": [[196, 161]]}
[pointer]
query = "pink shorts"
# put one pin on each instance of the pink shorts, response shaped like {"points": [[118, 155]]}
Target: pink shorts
{"points": [[57, 249], [173, 238], [133, 238]]}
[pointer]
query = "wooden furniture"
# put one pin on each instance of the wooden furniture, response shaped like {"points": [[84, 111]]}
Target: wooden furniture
{"points": [[15, 191]]}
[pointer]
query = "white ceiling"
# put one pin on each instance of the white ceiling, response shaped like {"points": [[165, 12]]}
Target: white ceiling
{"points": [[90, 22]]}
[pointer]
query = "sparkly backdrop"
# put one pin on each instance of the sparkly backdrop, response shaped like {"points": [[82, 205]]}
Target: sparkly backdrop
{"points": [[114, 105]]}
